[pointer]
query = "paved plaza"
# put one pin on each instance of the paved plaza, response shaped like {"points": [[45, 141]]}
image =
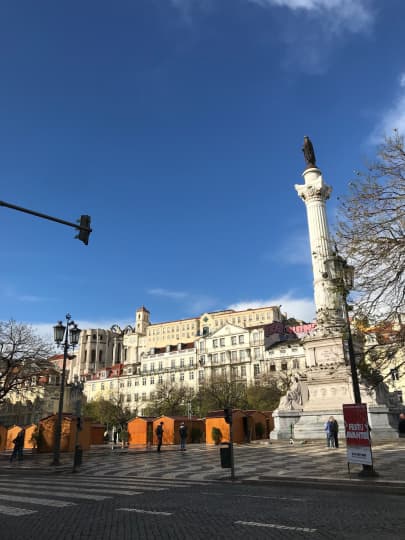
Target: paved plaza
{"points": [[253, 462]]}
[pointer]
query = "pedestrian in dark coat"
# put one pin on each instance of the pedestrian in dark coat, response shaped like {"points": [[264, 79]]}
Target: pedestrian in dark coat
{"points": [[159, 435], [18, 446], [335, 432], [183, 436]]}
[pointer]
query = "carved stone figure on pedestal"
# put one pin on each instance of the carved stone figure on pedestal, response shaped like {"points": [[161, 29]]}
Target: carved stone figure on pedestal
{"points": [[296, 396], [309, 153]]}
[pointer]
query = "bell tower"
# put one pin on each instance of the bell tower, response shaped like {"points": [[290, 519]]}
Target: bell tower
{"points": [[142, 320]]}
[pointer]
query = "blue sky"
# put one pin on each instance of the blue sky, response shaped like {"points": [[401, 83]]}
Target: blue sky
{"points": [[178, 125]]}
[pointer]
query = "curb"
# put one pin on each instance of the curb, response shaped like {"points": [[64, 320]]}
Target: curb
{"points": [[384, 486]]}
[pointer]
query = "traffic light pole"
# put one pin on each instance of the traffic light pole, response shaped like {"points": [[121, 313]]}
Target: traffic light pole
{"points": [[86, 230]]}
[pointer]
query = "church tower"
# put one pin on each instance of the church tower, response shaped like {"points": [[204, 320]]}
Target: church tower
{"points": [[142, 320]]}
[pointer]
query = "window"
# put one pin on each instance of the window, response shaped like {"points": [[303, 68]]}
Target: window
{"points": [[152, 367], [234, 356], [202, 346], [173, 363], [128, 397], [129, 383], [160, 365], [241, 339], [284, 366], [222, 342], [223, 371], [215, 343], [233, 340], [243, 371], [136, 397], [255, 337], [182, 376], [242, 354], [172, 377], [234, 371], [272, 367], [191, 375], [181, 362], [152, 380], [202, 360], [152, 395], [143, 396], [93, 356], [256, 369], [215, 358], [295, 364], [201, 375], [191, 362], [223, 357], [144, 381], [256, 353], [122, 385], [160, 379]]}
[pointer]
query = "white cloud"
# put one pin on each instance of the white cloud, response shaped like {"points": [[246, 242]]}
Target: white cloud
{"points": [[300, 308], [174, 295], [392, 117]]}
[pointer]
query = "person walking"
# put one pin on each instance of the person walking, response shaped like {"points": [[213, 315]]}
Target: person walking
{"points": [[335, 431], [183, 435], [330, 440], [18, 446], [401, 425], [159, 435]]}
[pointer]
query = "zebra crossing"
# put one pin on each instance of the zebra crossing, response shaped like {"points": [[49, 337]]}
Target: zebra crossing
{"points": [[26, 496]]}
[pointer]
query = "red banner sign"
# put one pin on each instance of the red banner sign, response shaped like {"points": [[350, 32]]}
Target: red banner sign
{"points": [[357, 434]]}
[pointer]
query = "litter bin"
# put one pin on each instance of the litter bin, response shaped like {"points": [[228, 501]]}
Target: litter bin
{"points": [[225, 453], [78, 456]]}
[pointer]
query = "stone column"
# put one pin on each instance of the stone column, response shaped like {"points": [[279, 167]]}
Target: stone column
{"points": [[328, 299]]}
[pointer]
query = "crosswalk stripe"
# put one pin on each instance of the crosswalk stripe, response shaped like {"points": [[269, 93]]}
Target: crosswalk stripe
{"points": [[108, 488], [58, 493], [141, 511], [14, 511], [52, 487], [34, 500]]}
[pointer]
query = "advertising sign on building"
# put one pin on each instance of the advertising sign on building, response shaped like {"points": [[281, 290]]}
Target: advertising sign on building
{"points": [[357, 434]]}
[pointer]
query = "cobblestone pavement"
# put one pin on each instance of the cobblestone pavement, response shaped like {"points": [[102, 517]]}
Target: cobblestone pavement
{"points": [[265, 461], [140, 494]]}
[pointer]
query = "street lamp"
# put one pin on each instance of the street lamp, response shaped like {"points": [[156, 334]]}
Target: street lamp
{"points": [[66, 336], [342, 274]]}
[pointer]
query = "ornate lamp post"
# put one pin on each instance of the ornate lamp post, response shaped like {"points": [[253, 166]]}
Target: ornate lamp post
{"points": [[66, 336], [342, 274]]}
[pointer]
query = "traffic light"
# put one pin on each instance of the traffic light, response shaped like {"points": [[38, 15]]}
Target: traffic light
{"points": [[85, 230], [228, 415]]}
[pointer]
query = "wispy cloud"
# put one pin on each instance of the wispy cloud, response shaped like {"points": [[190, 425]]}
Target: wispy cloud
{"points": [[300, 308], [346, 15], [174, 295], [308, 50], [294, 251], [10, 292], [194, 303], [393, 117]]}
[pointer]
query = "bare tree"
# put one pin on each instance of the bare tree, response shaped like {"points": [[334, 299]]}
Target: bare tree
{"points": [[23, 357], [371, 234], [170, 399]]}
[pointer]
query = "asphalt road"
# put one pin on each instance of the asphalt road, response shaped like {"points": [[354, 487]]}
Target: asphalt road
{"points": [[61, 507]]}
